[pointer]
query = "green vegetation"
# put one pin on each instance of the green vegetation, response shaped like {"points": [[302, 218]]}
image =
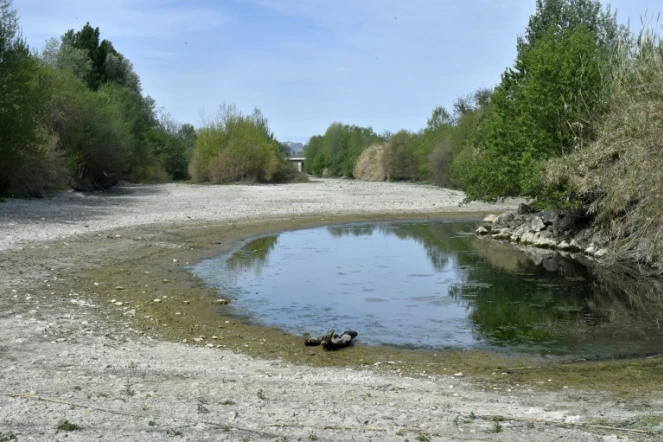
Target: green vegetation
{"points": [[65, 425], [75, 116], [336, 152], [575, 123], [235, 147], [7, 436]]}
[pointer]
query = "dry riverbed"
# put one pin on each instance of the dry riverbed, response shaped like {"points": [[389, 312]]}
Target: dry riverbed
{"points": [[104, 328]]}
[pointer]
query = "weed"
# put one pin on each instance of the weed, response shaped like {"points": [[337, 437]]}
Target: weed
{"points": [[261, 395], [284, 439], [312, 436], [7, 436], [144, 407], [401, 432], [530, 425], [226, 428], [65, 425], [172, 432], [497, 427], [152, 423], [422, 438], [128, 390], [227, 402], [472, 415]]}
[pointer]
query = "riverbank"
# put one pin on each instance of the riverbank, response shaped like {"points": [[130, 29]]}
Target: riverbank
{"points": [[83, 327]]}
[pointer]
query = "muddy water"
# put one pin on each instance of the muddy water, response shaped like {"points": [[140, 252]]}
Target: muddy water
{"points": [[436, 285]]}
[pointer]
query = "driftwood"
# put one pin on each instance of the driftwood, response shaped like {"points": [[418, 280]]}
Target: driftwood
{"points": [[332, 341]]}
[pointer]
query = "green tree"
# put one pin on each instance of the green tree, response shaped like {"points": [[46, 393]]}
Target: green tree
{"points": [[22, 98], [549, 102]]}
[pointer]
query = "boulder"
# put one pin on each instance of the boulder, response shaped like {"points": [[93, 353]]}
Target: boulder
{"points": [[490, 219], [524, 209], [482, 231]]}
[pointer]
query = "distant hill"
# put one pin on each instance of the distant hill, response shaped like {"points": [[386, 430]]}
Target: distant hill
{"points": [[296, 149]]}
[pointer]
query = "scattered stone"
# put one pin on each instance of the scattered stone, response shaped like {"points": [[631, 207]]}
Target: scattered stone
{"points": [[157, 300], [221, 301]]}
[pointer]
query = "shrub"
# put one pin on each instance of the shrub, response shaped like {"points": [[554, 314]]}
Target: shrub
{"points": [[370, 164], [235, 147], [619, 177]]}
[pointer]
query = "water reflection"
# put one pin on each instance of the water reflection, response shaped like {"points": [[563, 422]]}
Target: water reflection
{"points": [[435, 284]]}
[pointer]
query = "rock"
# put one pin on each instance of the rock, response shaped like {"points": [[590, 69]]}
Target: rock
{"points": [[528, 238], [564, 246], [501, 234], [490, 219], [543, 242], [221, 301], [157, 300], [600, 253], [536, 224], [549, 217], [504, 220], [131, 312], [524, 209], [482, 231]]}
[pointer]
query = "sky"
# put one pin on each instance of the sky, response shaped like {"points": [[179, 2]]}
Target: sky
{"points": [[306, 63]]}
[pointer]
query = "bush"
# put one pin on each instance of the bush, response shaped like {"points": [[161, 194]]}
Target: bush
{"points": [[41, 169], [234, 147], [370, 164], [619, 177]]}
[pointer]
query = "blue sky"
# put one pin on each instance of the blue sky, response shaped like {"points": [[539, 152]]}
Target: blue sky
{"points": [[306, 63]]}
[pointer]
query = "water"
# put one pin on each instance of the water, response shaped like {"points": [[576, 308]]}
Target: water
{"points": [[435, 285]]}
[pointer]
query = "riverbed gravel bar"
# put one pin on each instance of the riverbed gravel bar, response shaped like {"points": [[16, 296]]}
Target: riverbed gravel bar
{"points": [[85, 354]]}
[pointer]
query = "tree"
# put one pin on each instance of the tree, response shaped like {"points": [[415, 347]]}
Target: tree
{"points": [[21, 97], [549, 102]]}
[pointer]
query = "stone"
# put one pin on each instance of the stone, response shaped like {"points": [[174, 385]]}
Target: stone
{"points": [[482, 231], [524, 209], [157, 300], [564, 246], [528, 238], [549, 217], [536, 224], [490, 219], [600, 253], [501, 234], [544, 242], [221, 301], [504, 220]]}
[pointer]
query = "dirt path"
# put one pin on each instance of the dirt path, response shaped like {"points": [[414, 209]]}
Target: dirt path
{"points": [[105, 359]]}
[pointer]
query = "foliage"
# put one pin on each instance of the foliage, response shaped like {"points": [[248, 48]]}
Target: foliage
{"points": [[65, 425], [236, 147], [548, 103], [337, 151], [618, 178], [21, 99]]}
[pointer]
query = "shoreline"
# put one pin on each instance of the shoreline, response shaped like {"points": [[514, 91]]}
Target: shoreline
{"points": [[70, 339]]}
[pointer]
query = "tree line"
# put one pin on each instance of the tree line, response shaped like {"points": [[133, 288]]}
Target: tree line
{"points": [[74, 115], [576, 123]]}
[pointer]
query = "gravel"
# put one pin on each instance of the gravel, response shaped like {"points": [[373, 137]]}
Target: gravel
{"points": [[62, 359]]}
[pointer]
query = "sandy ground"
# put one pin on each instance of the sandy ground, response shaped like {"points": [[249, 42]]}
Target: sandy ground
{"points": [[63, 358]]}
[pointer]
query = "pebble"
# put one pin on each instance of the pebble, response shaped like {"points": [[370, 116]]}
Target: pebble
{"points": [[157, 300]]}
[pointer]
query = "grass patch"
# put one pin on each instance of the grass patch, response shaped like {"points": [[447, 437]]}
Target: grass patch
{"points": [[422, 438], [227, 402], [7, 436], [65, 425]]}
